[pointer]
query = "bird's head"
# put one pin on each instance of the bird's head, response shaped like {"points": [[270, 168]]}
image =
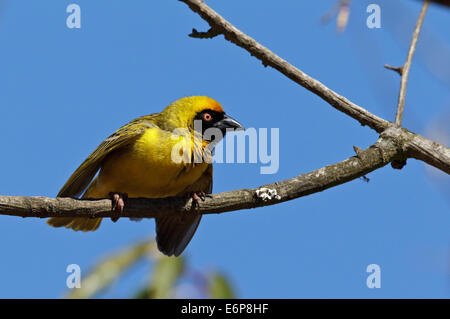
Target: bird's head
{"points": [[199, 113]]}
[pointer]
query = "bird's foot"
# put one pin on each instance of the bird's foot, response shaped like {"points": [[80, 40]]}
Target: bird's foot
{"points": [[197, 197], [118, 204]]}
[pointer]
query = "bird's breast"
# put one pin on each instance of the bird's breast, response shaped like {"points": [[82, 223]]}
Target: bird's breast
{"points": [[153, 166]]}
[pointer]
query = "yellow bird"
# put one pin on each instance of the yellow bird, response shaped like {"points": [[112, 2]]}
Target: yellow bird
{"points": [[158, 155]]}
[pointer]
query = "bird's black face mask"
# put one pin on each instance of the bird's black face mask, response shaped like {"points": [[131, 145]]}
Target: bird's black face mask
{"points": [[212, 122]]}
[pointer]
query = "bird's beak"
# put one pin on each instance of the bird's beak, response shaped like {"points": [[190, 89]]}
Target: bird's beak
{"points": [[229, 123]]}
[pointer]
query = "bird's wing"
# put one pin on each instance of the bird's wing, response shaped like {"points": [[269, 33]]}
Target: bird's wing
{"points": [[173, 233], [123, 137]]}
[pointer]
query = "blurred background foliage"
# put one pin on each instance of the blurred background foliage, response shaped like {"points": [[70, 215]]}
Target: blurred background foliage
{"points": [[168, 277]]}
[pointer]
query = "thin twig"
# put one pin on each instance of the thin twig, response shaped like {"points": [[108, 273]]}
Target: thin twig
{"points": [[211, 33], [398, 69], [407, 66]]}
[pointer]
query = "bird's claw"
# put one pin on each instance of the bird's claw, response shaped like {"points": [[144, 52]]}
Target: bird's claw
{"points": [[197, 197], [118, 204]]}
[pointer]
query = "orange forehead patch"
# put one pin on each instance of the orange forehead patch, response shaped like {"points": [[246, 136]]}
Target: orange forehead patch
{"points": [[201, 103], [214, 105], [188, 107]]}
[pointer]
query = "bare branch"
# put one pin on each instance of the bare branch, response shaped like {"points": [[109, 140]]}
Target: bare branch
{"points": [[268, 58], [374, 157], [211, 33], [407, 66], [430, 152], [398, 69], [437, 157], [394, 144]]}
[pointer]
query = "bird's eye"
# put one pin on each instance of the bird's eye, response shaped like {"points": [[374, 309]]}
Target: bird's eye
{"points": [[207, 117]]}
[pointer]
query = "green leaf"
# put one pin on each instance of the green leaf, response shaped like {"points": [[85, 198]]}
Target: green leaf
{"points": [[110, 269], [166, 273], [143, 293], [220, 287]]}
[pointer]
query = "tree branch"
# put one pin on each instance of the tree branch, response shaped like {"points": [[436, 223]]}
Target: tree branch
{"points": [[374, 157], [268, 58], [398, 69], [404, 73], [420, 148], [430, 152]]}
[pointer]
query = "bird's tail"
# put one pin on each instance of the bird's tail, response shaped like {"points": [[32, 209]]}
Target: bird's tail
{"points": [[173, 233], [77, 223]]}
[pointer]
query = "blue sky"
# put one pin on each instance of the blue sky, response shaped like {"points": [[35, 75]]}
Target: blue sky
{"points": [[62, 91]]}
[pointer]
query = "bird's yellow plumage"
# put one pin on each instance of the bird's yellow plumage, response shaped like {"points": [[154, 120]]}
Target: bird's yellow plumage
{"points": [[138, 160], [146, 169]]}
